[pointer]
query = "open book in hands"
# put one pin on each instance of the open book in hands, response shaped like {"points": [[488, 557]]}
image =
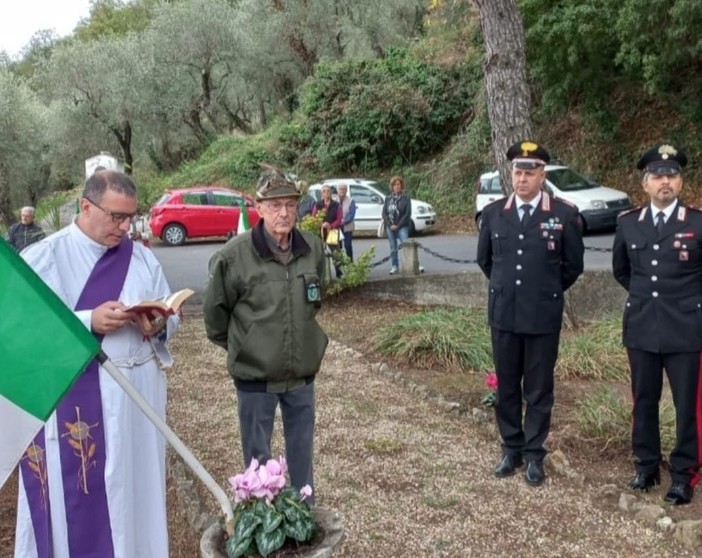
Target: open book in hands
{"points": [[165, 307]]}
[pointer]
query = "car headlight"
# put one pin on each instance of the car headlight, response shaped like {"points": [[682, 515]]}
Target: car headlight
{"points": [[422, 209], [598, 204]]}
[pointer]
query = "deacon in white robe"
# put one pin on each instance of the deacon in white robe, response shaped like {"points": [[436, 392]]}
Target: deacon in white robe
{"points": [[135, 476]]}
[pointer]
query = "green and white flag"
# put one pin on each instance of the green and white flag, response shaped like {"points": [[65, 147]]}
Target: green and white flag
{"points": [[243, 225], [43, 349]]}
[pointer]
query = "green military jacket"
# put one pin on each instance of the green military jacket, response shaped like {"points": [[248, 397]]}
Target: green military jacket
{"points": [[263, 312]]}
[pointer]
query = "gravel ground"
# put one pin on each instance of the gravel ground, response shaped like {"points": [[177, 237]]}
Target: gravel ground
{"points": [[409, 479]]}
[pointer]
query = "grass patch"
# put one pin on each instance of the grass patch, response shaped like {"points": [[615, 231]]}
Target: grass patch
{"points": [[605, 416], [384, 446], [448, 339], [594, 352]]}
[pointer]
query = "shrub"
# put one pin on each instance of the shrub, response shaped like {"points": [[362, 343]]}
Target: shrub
{"points": [[605, 416], [355, 273], [594, 352], [363, 114], [454, 339]]}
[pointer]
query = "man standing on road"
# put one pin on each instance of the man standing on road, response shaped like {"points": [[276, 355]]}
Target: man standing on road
{"points": [[306, 201], [25, 232], [93, 482], [261, 300], [657, 258], [530, 248]]}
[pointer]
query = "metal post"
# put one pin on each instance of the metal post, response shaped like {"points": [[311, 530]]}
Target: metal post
{"points": [[177, 444]]}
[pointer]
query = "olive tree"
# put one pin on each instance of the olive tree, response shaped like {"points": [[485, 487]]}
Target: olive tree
{"points": [[22, 145], [96, 80], [196, 50], [286, 40]]}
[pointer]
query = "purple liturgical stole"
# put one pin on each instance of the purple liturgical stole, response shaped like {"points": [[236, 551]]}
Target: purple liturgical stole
{"points": [[81, 438]]}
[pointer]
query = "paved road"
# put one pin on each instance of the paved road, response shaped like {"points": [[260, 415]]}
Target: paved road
{"points": [[186, 266]]}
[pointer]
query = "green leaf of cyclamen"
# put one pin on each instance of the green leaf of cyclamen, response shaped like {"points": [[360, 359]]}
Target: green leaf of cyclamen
{"points": [[268, 542], [295, 530], [245, 524], [271, 520], [239, 547], [292, 514]]}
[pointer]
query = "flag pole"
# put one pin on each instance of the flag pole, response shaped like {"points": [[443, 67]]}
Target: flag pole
{"points": [[177, 444]]}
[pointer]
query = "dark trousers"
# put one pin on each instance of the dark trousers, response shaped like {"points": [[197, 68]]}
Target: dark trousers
{"points": [[524, 366], [348, 244], [683, 370], [256, 417]]}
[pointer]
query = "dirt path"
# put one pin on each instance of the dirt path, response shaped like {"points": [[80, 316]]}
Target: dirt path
{"points": [[409, 479]]}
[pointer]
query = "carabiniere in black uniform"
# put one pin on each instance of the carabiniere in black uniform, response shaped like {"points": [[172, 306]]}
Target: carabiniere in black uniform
{"points": [[662, 328], [529, 267]]}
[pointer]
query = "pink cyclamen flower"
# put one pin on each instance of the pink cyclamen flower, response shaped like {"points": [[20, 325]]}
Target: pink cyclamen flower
{"points": [[491, 380], [246, 485], [305, 492], [272, 476]]}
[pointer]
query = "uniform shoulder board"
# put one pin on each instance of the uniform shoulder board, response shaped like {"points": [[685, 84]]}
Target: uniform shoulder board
{"points": [[694, 208], [629, 211], [498, 201], [566, 202], [495, 205]]}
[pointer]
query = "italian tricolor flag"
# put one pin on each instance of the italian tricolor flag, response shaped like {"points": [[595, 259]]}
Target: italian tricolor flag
{"points": [[43, 349], [243, 224]]}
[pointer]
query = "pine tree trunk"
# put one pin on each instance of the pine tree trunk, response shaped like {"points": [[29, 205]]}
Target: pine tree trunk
{"points": [[508, 99]]}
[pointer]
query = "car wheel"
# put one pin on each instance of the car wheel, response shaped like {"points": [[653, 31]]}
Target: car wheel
{"points": [[412, 229], [478, 221], [173, 235]]}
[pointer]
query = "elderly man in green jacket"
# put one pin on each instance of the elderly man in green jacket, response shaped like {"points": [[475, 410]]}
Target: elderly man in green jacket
{"points": [[262, 297]]}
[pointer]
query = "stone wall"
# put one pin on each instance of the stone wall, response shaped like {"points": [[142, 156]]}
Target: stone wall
{"points": [[595, 294]]}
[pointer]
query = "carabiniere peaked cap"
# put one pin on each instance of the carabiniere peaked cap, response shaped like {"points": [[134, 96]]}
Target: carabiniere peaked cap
{"points": [[663, 160], [528, 155]]}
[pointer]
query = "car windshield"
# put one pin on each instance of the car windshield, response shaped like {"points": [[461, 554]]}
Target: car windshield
{"points": [[567, 180]]}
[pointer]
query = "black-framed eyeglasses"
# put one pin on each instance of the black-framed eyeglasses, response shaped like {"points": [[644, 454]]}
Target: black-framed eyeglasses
{"points": [[116, 217]]}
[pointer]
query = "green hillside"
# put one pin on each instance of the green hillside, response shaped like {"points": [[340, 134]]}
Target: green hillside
{"points": [[202, 91]]}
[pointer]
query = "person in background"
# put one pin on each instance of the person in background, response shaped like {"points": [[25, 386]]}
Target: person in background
{"points": [[263, 294], [332, 221], [531, 250], [657, 258], [26, 232], [306, 203], [348, 211], [396, 214], [140, 230], [93, 483]]}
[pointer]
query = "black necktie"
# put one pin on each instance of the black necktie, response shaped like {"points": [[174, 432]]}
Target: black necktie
{"points": [[526, 212], [660, 222]]}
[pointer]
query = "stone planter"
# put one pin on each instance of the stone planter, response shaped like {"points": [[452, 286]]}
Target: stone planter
{"points": [[328, 520]]}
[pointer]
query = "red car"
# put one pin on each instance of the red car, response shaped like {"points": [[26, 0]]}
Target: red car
{"points": [[198, 212]]}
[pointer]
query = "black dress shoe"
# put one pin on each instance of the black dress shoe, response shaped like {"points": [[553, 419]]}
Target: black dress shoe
{"points": [[534, 474], [507, 465], [645, 481], [679, 493]]}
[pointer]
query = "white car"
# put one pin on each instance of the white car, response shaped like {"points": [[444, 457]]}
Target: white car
{"points": [[369, 196], [598, 205]]}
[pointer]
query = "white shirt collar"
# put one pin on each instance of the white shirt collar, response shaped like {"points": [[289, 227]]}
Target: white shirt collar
{"points": [[668, 211], [533, 203]]}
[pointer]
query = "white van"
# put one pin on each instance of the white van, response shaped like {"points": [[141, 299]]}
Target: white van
{"points": [[598, 205]]}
